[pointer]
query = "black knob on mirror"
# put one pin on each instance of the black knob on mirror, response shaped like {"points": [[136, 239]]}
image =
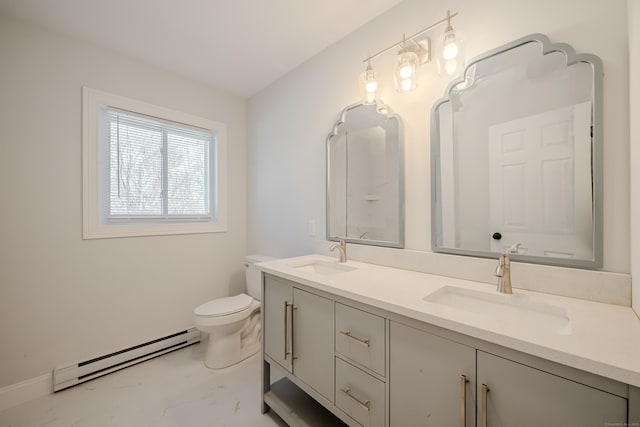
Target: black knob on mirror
{"points": [[497, 236]]}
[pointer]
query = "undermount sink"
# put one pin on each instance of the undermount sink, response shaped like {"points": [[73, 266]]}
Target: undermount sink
{"points": [[323, 267], [515, 309]]}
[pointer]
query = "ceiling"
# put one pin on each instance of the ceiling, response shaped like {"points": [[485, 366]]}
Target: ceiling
{"points": [[240, 46]]}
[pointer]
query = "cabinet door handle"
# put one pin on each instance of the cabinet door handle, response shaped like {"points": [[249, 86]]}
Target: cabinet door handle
{"points": [[356, 339], [364, 405], [483, 406], [463, 400], [286, 330], [293, 353]]}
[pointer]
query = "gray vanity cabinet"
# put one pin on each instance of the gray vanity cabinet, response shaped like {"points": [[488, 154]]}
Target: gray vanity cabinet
{"points": [[349, 365], [298, 333], [431, 380], [512, 394]]}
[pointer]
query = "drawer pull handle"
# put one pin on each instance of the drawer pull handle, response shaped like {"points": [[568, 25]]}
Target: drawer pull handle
{"points": [[483, 406], [463, 400], [364, 404], [356, 339]]}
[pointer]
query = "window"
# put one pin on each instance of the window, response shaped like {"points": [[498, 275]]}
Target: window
{"points": [[157, 169], [148, 170]]}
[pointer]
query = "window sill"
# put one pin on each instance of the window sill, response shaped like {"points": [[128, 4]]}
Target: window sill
{"points": [[137, 230]]}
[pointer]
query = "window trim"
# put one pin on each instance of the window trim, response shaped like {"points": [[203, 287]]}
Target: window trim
{"points": [[93, 226]]}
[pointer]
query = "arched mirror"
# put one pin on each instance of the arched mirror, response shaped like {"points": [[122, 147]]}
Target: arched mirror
{"points": [[365, 184], [516, 152]]}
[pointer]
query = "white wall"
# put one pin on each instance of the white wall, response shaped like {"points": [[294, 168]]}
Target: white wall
{"points": [[65, 299], [289, 120], [634, 157]]}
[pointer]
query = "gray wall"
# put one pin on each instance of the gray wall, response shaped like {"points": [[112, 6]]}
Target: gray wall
{"points": [[64, 299]]}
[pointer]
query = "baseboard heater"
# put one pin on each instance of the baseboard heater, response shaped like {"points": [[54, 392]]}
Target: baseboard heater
{"points": [[76, 373]]}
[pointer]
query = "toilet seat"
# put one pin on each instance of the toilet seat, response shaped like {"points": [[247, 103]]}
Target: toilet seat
{"points": [[224, 306], [225, 311]]}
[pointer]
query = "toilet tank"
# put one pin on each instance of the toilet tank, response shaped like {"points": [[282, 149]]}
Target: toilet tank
{"points": [[254, 285]]}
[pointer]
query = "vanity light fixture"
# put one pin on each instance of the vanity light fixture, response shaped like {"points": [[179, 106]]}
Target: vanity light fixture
{"points": [[414, 51], [369, 85]]}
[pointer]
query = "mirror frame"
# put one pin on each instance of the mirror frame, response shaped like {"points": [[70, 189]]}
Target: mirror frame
{"points": [[596, 154], [380, 109]]}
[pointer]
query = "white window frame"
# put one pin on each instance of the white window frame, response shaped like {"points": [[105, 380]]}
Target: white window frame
{"points": [[94, 222]]}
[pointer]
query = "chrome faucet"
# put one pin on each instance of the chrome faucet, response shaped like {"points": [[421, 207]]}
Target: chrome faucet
{"points": [[342, 247], [503, 270]]}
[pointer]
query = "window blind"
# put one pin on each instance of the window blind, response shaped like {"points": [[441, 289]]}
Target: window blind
{"points": [[157, 168]]}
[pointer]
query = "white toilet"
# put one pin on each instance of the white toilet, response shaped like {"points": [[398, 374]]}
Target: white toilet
{"points": [[233, 323]]}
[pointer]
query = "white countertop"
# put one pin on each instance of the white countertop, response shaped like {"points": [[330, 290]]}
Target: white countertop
{"points": [[604, 339]]}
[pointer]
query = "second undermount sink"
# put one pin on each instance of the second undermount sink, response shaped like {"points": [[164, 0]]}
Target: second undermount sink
{"points": [[323, 267], [515, 309]]}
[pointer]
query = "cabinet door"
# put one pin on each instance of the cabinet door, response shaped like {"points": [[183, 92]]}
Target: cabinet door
{"points": [[522, 396], [313, 341], [426, 387], [276, 303]]}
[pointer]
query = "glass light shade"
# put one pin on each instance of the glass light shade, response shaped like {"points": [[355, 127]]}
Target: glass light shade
{"points": [[451, 54], [369, 86], [449, 46], [404, 74]]}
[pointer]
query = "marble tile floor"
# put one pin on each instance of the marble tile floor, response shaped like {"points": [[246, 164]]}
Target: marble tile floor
{"points": [[173, 390]]}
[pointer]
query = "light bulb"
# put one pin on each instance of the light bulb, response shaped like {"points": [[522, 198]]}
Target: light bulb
{"points": [[406, 84], [371, 86], [451, 67], [370, 98], [406, 71], [450, 47], [450, 51]]}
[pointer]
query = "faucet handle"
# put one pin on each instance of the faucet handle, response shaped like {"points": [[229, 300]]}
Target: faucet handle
{"points": [[514, 249]]}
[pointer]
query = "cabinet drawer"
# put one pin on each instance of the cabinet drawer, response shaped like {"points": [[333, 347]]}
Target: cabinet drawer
{"points": [[360, 395], [360, 336]]}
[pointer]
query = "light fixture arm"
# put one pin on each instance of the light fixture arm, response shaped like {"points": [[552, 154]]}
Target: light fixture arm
{"points": [[412, 37], [449, 27]]}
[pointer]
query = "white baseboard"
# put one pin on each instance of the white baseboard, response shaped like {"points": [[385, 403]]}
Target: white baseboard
{"points": [[21, 392]]}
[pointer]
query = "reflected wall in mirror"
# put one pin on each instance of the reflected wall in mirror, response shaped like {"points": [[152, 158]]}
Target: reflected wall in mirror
{"points": [[365, 177], [516, 152]]}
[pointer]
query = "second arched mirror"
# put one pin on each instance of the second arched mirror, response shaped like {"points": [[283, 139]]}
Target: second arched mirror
{"points": [[365, 177]]}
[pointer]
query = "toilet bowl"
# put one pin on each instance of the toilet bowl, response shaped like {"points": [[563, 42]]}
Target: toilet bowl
{"points": [[233, 323]]}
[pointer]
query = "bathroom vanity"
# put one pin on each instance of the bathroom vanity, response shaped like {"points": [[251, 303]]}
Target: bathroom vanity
{"points": [[368, 345], [516, 162]]}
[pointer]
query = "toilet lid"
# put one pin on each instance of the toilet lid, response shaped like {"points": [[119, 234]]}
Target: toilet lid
{"points": [[224, 306]]}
